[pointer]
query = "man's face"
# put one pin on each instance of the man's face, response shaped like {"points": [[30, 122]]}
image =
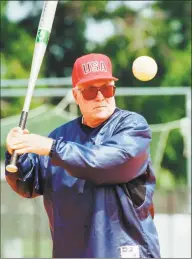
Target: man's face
{"points": [[98, 109]]}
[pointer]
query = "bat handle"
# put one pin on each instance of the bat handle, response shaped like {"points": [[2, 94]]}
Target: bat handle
{"points": [[12, 168]]}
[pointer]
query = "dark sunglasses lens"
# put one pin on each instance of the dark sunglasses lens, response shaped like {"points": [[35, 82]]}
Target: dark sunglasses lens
{"points": [[108, 91], [90, 93]]}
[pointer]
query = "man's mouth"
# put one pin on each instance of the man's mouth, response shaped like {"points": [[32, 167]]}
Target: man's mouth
{"points": [[98, 107]]}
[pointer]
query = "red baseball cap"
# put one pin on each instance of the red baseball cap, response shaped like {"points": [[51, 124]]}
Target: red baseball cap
{"points": [[90, 68]]}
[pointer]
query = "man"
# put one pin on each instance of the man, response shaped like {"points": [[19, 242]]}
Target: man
{"points": [[94, 172]]}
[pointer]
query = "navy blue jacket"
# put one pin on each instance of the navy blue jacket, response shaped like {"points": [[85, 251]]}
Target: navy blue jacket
{"points": [[97, 188]]}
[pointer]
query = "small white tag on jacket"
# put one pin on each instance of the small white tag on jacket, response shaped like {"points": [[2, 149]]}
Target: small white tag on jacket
{"points": [[129, 251]]}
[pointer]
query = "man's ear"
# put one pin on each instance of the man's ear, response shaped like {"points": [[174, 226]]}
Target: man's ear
{"points": [[74, 92]]}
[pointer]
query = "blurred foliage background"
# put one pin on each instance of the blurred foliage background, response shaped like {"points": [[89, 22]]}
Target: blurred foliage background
{"points": [[160, 29]]}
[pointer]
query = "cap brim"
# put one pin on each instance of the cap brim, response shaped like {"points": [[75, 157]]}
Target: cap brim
{"points": [[96, 78]]}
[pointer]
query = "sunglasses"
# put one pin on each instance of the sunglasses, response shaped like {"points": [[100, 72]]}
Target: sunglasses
{"points": [[91, 92]]}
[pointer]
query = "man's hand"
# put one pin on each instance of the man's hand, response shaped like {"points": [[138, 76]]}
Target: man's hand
{"points": [[23, 142]]}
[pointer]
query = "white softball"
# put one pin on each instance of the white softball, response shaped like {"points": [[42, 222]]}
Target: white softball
{"points": [[144, 68]]}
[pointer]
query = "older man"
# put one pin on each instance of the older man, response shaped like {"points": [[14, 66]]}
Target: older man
{"points": [[94, 172]]}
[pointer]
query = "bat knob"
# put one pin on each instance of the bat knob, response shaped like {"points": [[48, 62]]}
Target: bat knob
{"points": [[11, 168]]}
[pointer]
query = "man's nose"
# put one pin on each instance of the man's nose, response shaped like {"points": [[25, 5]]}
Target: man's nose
{"points": [[99, 96]]}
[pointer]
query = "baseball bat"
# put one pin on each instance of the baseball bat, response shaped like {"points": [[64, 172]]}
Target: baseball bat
{"points": [[42, 37]]}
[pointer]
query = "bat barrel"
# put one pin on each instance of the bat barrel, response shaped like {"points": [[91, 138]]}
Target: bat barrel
{"points": [[47, 16], [39, 52], [42, 38]]}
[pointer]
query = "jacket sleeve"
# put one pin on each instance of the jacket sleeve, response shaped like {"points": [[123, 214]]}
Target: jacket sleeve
{"points": [[118, 159], [28, 181]]}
